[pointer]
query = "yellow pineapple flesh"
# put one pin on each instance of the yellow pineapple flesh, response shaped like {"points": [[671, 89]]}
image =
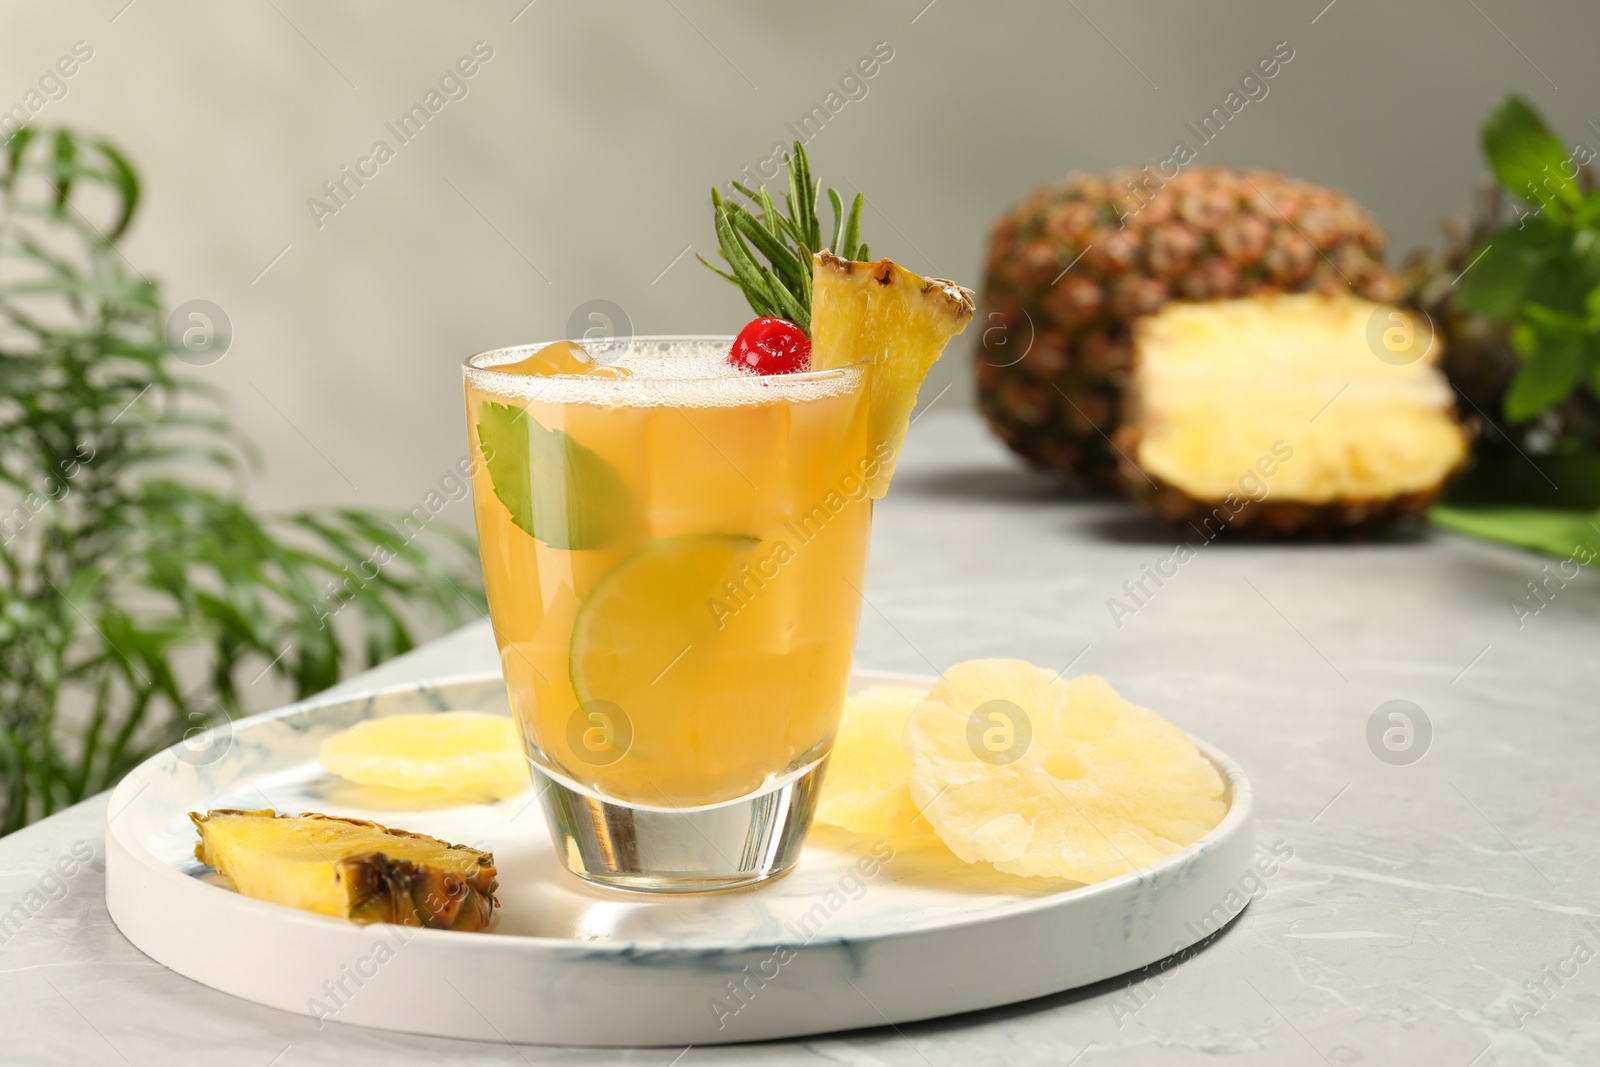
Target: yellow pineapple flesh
{"points": [[1300, 401], [1091, 786], [882, 314], [349, 868], [443, 750], [867, 789]]}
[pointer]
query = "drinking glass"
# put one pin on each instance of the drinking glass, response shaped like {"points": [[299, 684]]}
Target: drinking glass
{"points": [[673, 559]]}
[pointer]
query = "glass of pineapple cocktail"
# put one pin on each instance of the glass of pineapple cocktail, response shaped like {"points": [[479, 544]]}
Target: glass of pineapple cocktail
{"points": [[674, 533], [673, 550]]}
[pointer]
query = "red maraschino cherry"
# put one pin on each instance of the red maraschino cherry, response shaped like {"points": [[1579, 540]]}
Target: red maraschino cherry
{"points": [[771, 346]]}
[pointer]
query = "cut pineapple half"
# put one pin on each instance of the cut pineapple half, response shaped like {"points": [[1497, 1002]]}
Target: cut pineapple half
{"points": [[867, 789], [1049, 778], [881, 313], [349, 868], [1302, 400], [444, 750]]}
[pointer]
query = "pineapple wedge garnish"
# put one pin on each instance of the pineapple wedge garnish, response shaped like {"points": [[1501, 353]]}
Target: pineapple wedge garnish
{"points": [[881, 313], [349, 868]]}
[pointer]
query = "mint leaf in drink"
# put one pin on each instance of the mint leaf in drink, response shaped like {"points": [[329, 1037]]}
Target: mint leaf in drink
{"points": [[1527, 159], [556, 489]]}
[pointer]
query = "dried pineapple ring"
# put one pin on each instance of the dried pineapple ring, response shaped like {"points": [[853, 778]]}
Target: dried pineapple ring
{"points": [[867, 789], [447, 750], [1046, 778]]}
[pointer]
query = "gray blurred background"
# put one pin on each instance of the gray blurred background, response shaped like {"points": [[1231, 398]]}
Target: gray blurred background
{"points": [[577, 164]]}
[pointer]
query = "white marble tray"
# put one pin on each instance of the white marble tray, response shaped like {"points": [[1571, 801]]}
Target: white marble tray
{"points": [[862, 933]]}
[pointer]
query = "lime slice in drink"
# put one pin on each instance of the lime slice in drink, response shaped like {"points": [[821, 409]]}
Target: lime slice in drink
{"points": [[652, 613]]}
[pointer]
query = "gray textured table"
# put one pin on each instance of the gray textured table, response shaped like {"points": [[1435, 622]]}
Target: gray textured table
{"points": [[1439, 912]]}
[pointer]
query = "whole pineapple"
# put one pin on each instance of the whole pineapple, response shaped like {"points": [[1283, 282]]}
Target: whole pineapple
{"points": [[1072, 267]]}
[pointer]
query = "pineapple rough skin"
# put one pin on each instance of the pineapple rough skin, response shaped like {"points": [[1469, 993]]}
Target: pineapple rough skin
{"points": [[1072, 267], [373, 887], [1271, 518]]}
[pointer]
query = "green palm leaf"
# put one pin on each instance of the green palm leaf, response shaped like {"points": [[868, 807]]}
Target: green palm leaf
{"points": [[137, 599]]}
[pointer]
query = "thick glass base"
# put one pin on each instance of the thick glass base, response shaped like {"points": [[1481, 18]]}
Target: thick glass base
{"points": [[682, 850]]}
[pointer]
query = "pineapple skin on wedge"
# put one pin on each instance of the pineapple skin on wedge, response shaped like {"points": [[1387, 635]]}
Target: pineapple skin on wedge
{"points": [[881, 313], [349, 868]]}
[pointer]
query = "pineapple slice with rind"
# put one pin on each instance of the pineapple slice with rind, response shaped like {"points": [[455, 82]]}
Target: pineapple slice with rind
{"points": [[439, 750], [867, 789], [349, 868], [881, 313], [1101, 787]]}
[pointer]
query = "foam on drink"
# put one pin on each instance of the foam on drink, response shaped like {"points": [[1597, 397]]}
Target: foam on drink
{"points": [[658, 372]]}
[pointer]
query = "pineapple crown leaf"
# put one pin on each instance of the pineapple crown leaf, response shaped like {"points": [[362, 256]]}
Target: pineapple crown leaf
{"points": [[782, 287]]}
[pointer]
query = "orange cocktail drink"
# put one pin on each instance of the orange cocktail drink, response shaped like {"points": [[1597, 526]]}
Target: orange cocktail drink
{"points": [[673, 551]]}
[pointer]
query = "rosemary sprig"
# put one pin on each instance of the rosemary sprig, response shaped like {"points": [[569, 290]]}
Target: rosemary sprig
{"points": [[782, 288]]}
